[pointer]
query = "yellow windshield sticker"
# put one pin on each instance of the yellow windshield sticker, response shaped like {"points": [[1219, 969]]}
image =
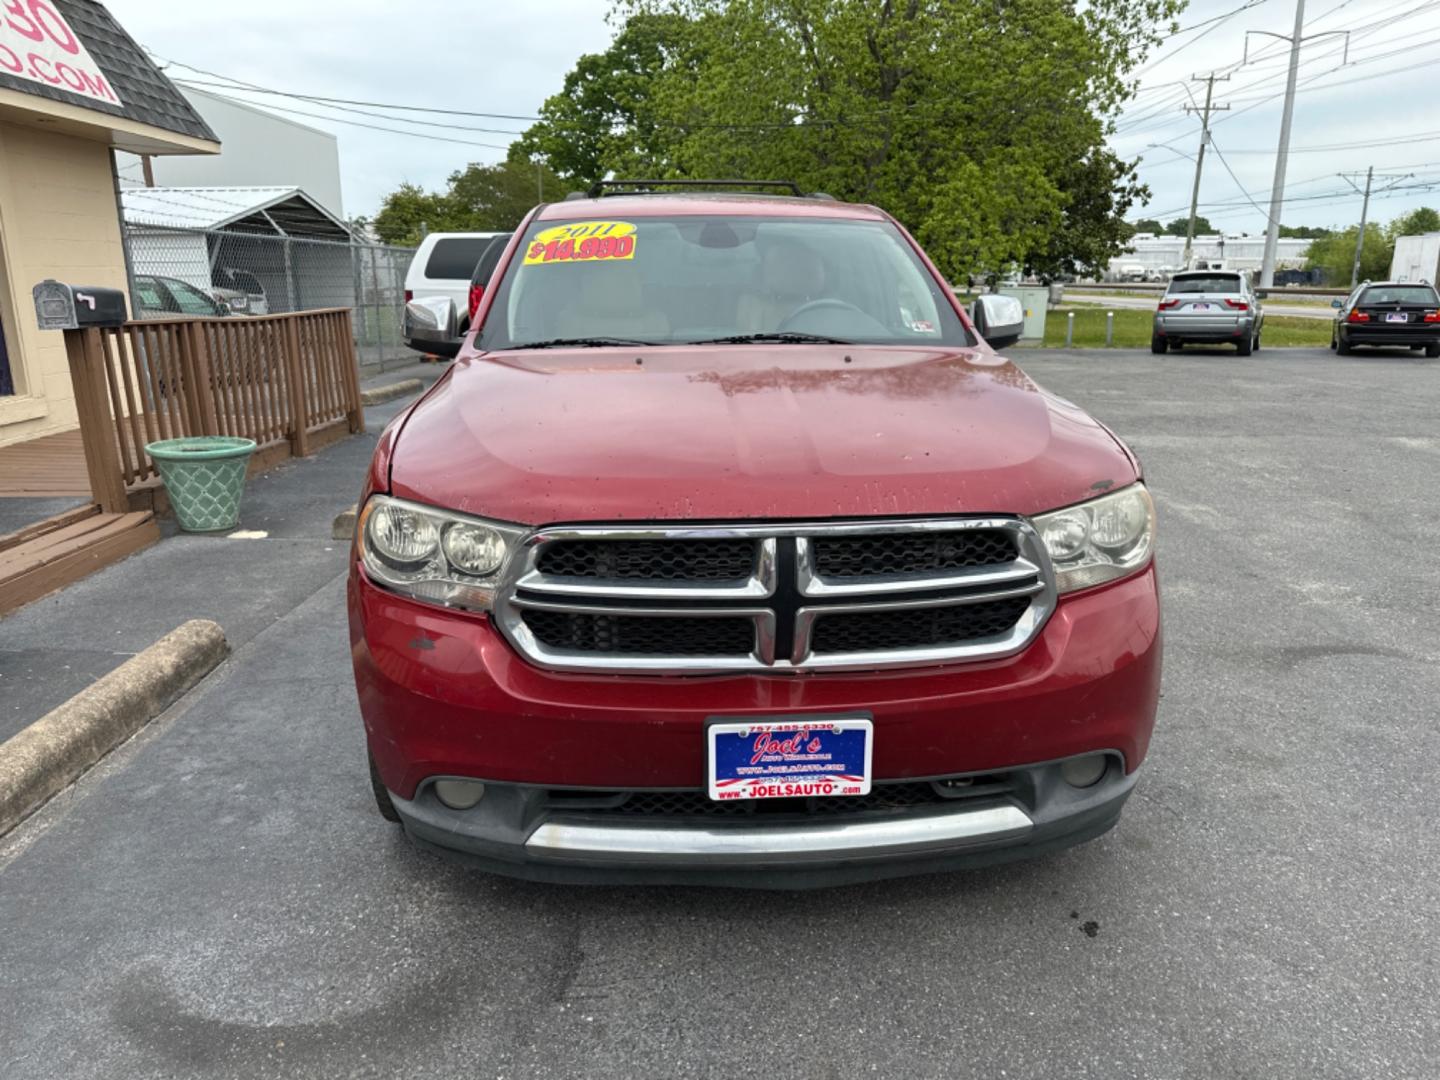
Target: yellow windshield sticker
{"points": [[582, 241]]}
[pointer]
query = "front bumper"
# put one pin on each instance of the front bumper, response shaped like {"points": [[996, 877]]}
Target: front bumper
{"points": [[515, 831], [443, 694]]}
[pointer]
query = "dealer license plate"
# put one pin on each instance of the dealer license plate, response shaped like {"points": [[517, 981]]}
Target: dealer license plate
{"points": [[789, 757], [1397, 316]]}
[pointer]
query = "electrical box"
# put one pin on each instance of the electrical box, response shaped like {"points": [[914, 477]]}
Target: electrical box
{"points": [[1034, 299], [69, 307]]}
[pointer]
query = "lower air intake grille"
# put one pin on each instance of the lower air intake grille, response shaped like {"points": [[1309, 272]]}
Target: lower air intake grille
{"points": [[869, 631], [642, 635], [698, 804]]}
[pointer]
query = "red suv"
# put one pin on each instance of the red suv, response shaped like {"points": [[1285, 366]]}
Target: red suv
{"points": [[726, 552]]}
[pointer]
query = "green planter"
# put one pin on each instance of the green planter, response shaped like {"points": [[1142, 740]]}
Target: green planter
{"points": [[205, 477]]}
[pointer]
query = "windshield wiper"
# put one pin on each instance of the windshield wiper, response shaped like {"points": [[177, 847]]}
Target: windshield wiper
{"points": [[779, 337], [580, 343]]}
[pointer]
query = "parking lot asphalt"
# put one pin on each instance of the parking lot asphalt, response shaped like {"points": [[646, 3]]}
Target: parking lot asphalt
{"points": [[219, 897]]}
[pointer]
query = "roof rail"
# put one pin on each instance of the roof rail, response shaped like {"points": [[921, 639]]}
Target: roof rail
{"points": [[602, 188]]}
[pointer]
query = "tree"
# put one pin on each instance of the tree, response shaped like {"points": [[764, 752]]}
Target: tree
{"points": [[1181, 225], [1149, 225], [603, 118], [478, 198], [1334, 255], [982, 127], [1420, 220], [1303, 232]]}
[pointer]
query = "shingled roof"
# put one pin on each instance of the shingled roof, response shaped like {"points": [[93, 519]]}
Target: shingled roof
{"points": [[148, 96]]}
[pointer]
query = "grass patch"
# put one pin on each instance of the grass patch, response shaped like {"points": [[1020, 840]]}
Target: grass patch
{"points": [[1132, 329]]}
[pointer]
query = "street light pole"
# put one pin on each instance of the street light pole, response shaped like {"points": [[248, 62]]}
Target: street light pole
{"points": [[1282, 154]]}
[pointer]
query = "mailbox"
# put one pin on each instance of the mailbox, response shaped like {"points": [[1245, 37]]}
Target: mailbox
{"points": [[70, 307]]}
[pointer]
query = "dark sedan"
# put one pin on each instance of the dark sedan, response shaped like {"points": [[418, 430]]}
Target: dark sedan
{"points": [[1402, 315]]}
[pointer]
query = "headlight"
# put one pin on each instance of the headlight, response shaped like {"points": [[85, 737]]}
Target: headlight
{"points": [[1099, 540], [434, 555]]}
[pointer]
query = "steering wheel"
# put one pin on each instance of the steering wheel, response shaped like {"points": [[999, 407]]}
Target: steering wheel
{"points": [[828, 303]]}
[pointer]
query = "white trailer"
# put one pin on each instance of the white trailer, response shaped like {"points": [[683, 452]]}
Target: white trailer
{"points": [[1416, 258]]}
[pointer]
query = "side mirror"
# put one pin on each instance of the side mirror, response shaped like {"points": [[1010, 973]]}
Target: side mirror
{"points": [[1337, 303], [431, 318], [1000, 319]]}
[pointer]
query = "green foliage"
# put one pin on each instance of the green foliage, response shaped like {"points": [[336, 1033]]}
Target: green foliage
{"points": [[479, 198], [603, 119], [1304, 232], [981, 127], [1149, 225], [1334, 255], [1420, 220], [1181, 225]]}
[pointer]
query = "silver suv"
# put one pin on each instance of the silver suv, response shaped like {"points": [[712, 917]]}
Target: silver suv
{"points": [[1211, 307]]}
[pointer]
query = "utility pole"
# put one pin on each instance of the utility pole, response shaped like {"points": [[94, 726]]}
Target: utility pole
{"points": [[1364, 213], [1282, 151], [1200, 157], [1395, 178]]}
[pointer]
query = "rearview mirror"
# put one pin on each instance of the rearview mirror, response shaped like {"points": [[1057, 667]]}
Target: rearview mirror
{"points": [[1000, 319], [1337, 303]]}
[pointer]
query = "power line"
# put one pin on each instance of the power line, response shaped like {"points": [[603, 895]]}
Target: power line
{"points": [[232, 83]]}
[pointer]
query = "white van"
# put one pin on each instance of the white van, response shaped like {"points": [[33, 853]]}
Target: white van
{"points": [[442, 267]]}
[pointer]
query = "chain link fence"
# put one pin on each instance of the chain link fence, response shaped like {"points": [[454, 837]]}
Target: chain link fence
{"points": [[230, 272]]}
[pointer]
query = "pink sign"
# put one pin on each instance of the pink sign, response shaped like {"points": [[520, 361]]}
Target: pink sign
{"points": [[36, 43]]}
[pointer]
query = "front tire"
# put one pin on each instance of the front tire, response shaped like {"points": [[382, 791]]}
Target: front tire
{"points": [[1157, 345]]}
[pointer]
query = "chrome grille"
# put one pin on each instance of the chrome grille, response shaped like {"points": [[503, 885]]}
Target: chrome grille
{"points": [[637, 634], [910, 553], [692, 599], [650, 560], [859, 631]]}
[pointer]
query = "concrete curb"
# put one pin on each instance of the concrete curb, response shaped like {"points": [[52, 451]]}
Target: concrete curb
{"points": [[376, 395], [49, 754], [343, 527]]}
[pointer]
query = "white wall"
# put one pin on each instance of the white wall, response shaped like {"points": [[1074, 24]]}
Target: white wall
{"points": [[1239, 253], [257, 149]]}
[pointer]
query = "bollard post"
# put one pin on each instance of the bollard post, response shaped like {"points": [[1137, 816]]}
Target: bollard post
{"points": [[1070, 330], [1109, 329]]}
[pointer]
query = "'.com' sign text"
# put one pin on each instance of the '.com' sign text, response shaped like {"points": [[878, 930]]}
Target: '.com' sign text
{"points": [[36, 43]]}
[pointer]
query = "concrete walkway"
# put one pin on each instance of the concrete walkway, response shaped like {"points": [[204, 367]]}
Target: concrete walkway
{"points": [[58, 645]]}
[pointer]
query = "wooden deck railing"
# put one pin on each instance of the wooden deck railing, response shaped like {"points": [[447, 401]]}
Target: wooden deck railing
{"points": [[282, 380]]}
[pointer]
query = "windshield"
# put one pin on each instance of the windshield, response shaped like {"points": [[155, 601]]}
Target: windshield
{"points": [[1211, 283], [1400, 294], [685, 279]]}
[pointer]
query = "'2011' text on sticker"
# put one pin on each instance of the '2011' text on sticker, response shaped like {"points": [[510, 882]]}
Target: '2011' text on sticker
{"points": [[582, 241]]}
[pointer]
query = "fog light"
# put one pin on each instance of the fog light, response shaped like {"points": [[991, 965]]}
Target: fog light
{"points": [[459, 794], [1083, 771]]}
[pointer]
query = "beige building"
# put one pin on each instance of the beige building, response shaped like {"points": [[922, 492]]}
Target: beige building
{"points": [[68, 101]]}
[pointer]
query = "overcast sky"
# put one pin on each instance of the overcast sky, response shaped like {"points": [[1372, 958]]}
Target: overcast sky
{"points": [[508, 57]]}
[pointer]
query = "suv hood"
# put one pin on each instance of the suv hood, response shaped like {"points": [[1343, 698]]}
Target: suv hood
{"points": [[734, 432]]}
